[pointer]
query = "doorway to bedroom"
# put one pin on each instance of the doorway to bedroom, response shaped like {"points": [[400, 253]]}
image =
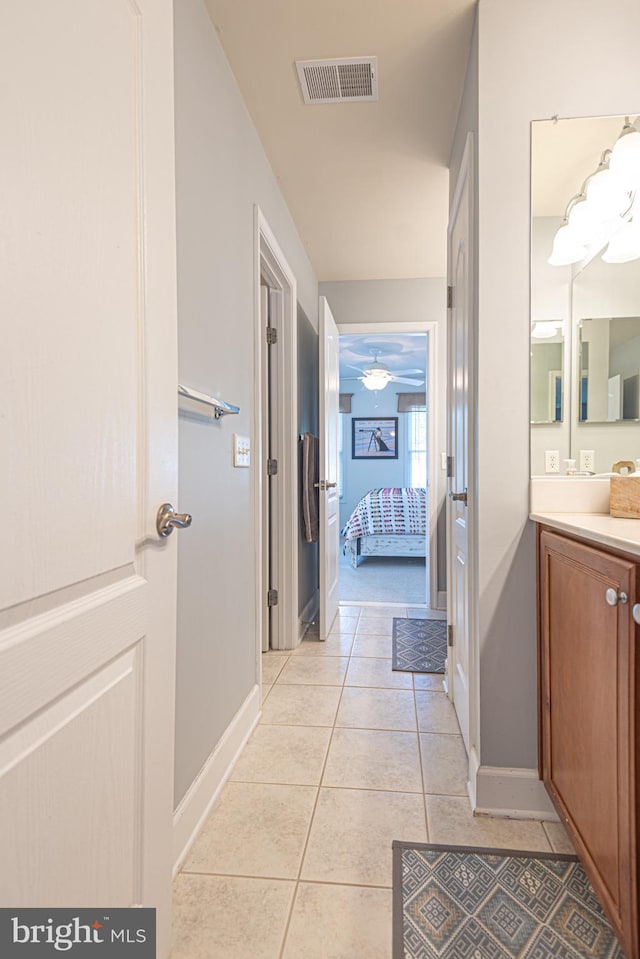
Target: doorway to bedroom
{"points": [[384, 465]]}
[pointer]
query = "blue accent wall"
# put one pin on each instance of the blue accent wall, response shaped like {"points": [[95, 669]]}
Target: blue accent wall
{"points": [[361, 475]]}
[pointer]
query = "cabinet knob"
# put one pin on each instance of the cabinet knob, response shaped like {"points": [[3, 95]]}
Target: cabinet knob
{"points": [[635, 612], [614, 598]]}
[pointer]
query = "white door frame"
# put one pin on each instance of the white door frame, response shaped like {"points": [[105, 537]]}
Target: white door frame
{"points": [[465, 176], [270, 262], [435, 599]]}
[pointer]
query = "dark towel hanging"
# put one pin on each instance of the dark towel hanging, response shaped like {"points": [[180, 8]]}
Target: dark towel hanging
{"points": [[309, 490]]}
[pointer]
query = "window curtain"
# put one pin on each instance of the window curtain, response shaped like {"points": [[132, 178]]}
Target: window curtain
{"points": [[345, 402], [412, 402]]}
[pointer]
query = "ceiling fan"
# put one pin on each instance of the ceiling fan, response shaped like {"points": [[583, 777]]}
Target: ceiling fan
{"points": [[376, 375]]}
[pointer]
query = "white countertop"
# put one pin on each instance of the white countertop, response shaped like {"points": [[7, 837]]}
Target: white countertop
{"points": [[623, 534]]}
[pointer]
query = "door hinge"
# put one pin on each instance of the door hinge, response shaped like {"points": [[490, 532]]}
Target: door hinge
{"points": [[449, 467], [272, 335], [272, 467], [272, 597], [449, 297], [449, 635]]}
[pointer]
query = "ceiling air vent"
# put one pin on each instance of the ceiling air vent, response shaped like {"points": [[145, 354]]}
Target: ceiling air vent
{"points": [[335, 81]]}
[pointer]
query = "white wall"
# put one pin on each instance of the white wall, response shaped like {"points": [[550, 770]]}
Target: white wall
{"points": [[405, 301], [535, 60], [221, 173]]}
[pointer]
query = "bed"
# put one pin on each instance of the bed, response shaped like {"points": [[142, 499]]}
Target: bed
{"points": [[391, 521]]}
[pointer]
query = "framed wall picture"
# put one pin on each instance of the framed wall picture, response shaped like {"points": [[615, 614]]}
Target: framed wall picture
{"points": [[374, 438]]}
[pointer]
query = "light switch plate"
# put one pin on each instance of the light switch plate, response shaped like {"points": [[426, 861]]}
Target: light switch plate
{"points": [[241, 451]]}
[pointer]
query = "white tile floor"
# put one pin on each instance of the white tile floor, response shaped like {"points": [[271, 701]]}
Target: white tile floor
{"points": [[294, 862]]}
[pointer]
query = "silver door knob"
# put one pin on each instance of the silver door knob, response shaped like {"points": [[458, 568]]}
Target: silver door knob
{"points": [[614, 598], [324, 484], [459, 497], [635, 612], [167, 520]]}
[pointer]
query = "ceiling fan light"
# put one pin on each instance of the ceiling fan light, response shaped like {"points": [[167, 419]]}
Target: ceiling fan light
{"points": [[375, 380]]}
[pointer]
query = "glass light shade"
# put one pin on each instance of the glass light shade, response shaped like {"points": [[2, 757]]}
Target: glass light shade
{"points": [[544, 330], [607, 195], [624, 245], [624, 161], [586, 221], [376, 381], [568, 247]]}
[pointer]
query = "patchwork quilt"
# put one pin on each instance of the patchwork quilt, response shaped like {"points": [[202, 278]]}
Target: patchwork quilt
{"points": [[393, 510]]}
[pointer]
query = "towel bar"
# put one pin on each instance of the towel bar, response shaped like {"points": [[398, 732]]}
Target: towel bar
{"points": [[220, 408]]}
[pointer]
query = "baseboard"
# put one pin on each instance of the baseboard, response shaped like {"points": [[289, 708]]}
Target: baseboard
{"points": [[309, 614], [474, 766], [205, 789], [511, 793]]}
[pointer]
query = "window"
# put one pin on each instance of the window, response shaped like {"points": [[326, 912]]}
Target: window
{"points": [[416, 433]]}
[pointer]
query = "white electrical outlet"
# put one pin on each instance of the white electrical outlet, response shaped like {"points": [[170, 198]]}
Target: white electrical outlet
{"points": [[587, 461], [552, 461]]}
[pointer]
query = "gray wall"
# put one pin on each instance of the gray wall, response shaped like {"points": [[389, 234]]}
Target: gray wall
{"points": [[221, 172], [387, 301], [308, 575], [405, 301], [535, 60]]}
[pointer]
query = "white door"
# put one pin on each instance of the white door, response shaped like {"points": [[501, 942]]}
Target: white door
{"points": [[329, 494], [88, 427], [460, 438]]}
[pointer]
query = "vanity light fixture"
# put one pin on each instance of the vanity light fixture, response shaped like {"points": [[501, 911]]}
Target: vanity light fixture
{"points": [[624, 162], [545, 329], [606, 203], [625, 244]]}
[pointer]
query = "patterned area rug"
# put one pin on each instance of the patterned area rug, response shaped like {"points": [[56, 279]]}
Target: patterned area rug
{"points": [[452, 902], [419, 645]]}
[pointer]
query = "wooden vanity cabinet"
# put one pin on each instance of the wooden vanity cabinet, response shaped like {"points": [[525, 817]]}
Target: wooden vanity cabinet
{"points": [[589, 701]]}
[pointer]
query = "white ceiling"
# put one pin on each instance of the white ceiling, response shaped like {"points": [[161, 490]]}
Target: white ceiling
{"points": [[366, 183]]}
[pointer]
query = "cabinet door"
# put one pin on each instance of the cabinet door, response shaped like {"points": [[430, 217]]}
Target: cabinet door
{"points": [[588, 700]]}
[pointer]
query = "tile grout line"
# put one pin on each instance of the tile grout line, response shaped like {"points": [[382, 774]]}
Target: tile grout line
{"points": [[310, 827], [547, 836], [424, 785], [301, 882]]}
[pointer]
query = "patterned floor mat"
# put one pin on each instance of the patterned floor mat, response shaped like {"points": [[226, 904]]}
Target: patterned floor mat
{"points": [[451, 902], [419, 645]]}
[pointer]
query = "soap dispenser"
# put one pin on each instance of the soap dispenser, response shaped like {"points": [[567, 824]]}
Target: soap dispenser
{"points": [[571, 467]]}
